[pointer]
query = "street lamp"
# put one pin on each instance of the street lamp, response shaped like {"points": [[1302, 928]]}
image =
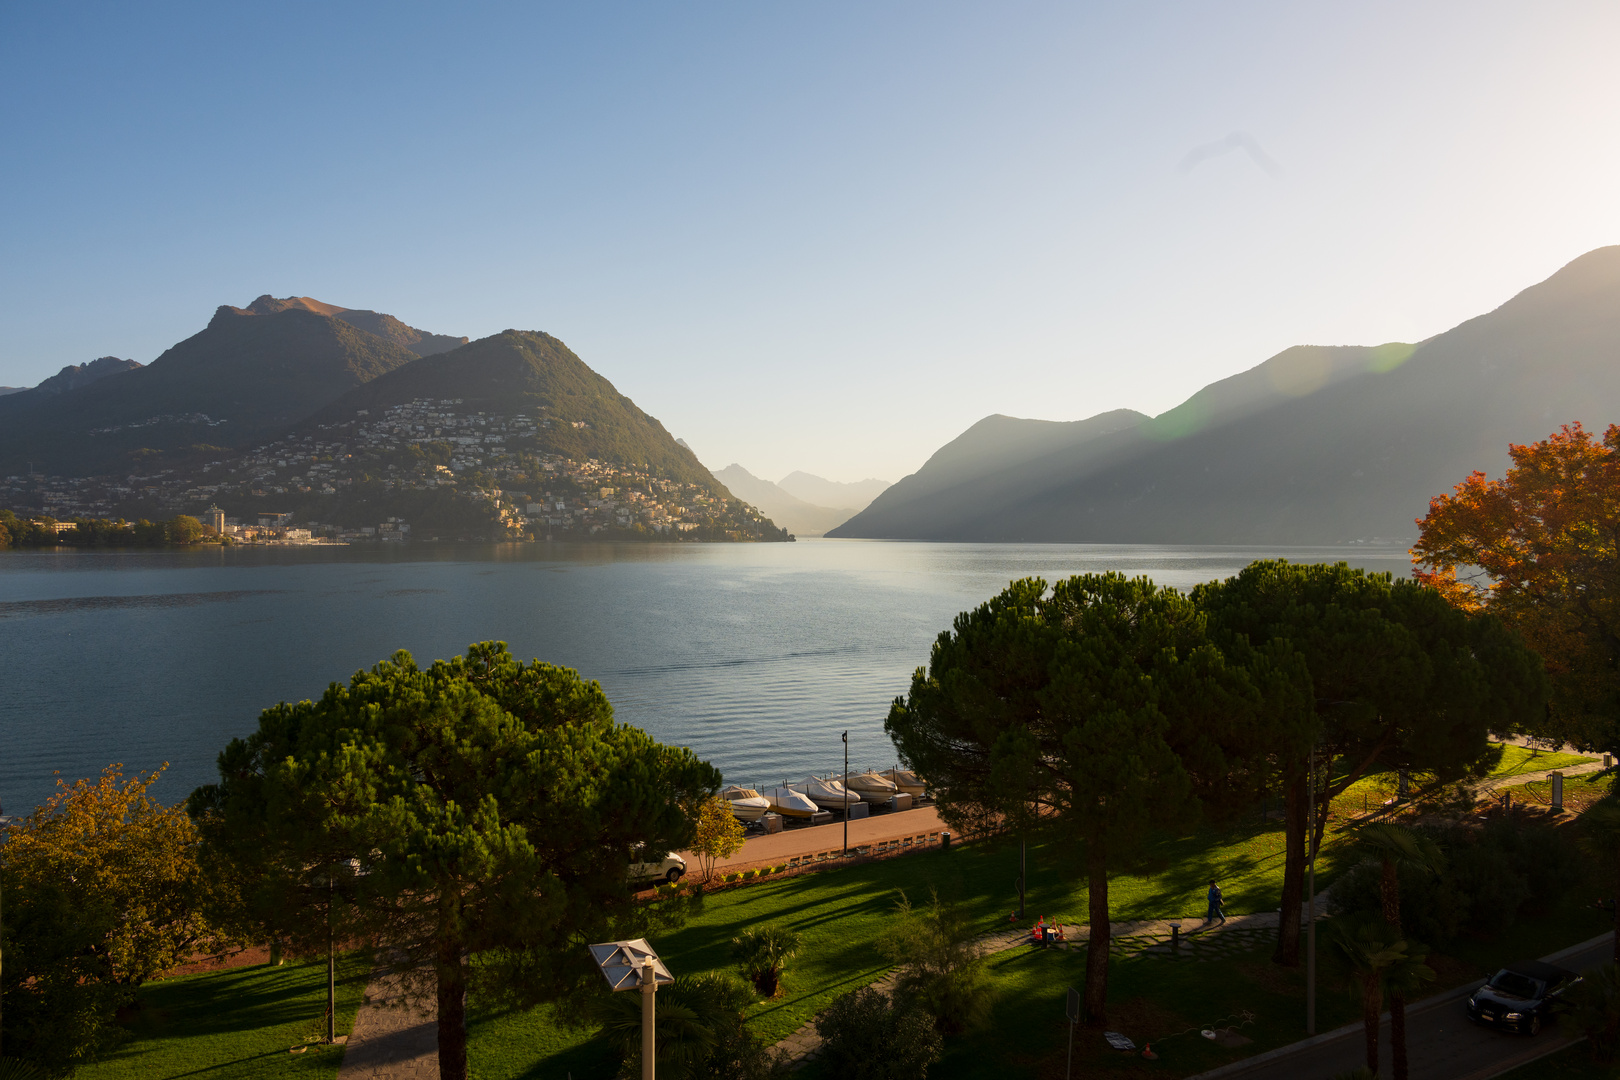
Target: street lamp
{"points": [[633, 964], [846, 795]]}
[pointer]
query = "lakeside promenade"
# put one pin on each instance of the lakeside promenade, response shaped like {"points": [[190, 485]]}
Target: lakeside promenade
{"points": [[774, 849]]}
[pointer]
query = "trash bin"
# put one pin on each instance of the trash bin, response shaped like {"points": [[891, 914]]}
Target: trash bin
{"points": [[945, 841]]}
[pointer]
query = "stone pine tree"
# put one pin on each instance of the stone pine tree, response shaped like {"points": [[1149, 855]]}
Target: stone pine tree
{"points": [[475, 820], [1096, 712], [1399, 679]]}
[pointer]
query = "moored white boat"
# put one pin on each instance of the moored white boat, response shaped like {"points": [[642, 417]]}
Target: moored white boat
{"points": [[870, 786], [788, 803], [907, 781], [746, 803], [827, 794]]}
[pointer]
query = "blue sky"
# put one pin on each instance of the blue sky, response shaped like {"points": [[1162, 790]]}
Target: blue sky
{"points": [[824, 237]]}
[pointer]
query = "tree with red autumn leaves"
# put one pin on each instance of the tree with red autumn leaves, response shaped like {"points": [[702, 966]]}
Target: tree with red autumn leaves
{"points": [[1540, 548]]}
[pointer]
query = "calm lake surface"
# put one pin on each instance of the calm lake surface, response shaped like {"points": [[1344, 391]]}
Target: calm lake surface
{"points": [[755, 655]]}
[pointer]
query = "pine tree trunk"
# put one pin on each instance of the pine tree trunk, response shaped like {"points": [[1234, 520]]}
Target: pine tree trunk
{"points": [[1371, 1006], [1098, 941], [1293, 894], [452, 977], [1397, 1034]]}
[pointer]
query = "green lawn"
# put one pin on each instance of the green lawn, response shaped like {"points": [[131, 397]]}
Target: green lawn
{"points": [[1378, 786], [841, 913], [1579, 791], [237, 1023], [240, 1023], [1518, 759]]}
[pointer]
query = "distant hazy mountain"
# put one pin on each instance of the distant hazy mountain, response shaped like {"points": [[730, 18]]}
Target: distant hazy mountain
{"points": [[797, 516], [71, 377], [1316, 445], [820, 492], [527, 371], [251, 373]]}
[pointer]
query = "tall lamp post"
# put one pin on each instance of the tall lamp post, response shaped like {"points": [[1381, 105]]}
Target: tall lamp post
{"points": [[846, 798], [632, 965]]}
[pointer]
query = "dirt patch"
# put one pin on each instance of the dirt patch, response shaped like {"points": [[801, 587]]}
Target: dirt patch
{"points": [[257, 954]]}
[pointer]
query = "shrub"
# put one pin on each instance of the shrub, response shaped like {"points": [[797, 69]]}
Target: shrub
{"points": [[699, 1031], [1494, 888], [762, 953], [1513, 864], [1545, 855], [1596, 1012], [868, 1036], [940, 967]]}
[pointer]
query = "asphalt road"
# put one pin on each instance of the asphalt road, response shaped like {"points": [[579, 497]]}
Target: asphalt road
{"points": [[1441, 1043]]}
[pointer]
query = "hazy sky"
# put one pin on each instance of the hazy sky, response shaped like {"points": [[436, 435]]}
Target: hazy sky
{"points": [[816, 236]]}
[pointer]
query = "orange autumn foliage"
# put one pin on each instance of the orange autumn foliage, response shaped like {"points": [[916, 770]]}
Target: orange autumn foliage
{"points": [[1540, 548]]}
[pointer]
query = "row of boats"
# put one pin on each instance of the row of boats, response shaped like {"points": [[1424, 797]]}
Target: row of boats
{"points": [[815, 793]]}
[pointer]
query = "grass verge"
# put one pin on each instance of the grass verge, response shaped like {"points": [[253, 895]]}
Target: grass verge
{"points": [[236, 1023]]}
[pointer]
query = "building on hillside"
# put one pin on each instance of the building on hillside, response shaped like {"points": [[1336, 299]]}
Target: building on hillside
{"points": [[214, 518]]}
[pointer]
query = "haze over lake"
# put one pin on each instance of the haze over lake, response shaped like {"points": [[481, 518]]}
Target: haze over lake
{"points": [[755, 655]]}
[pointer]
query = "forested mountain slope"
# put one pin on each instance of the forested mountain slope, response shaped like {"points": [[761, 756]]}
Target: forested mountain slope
{"points": [[1314, 446]]}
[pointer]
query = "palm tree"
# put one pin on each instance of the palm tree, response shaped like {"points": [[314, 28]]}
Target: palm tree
{"points": [[1395, 846], [1600, 829], [1380, 963], [763, 953]]}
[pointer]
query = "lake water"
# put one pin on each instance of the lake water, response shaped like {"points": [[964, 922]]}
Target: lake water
{"points": [[755, 655]]}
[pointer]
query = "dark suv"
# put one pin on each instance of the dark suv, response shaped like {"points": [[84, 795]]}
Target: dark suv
{"points": [[1521, 996]]}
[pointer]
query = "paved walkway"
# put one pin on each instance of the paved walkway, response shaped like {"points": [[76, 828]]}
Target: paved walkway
{"points": [[392, 1040]]}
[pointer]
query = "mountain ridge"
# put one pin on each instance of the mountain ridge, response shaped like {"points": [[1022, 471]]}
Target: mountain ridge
{"points": [[1356, 457], [797, 516]]}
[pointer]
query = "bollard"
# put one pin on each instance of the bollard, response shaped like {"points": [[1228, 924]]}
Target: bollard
{"points": [[1557, 791], [945, 841], [1175, 938]]}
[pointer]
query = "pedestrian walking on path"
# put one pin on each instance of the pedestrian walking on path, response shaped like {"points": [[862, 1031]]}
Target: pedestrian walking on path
{"points": [[1217, 907]]}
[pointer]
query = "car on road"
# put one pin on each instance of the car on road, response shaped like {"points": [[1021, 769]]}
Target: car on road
{"points": [[1521, 997], [670, 868]]}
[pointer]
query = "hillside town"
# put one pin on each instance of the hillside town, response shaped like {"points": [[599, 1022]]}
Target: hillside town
{"points": [[427, 470]]}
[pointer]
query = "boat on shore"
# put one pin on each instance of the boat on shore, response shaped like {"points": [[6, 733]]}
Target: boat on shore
{"points": [[747, 804], [908, 782], [870, 786], [789, 803], [827, 794]]}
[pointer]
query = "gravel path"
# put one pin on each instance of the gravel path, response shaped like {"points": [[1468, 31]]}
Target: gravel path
{"points": [[392, 1040]]}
